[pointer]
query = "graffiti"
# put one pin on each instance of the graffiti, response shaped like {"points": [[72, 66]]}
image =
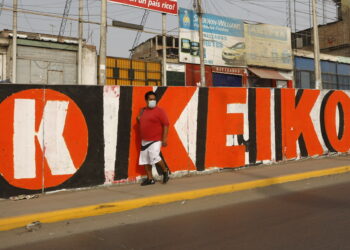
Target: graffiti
{"points": [[44, 137], [44, 140], [297, 124], [336, 137], [234, 127], [78, 136]]}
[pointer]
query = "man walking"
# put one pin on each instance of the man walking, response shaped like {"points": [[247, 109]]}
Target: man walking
{"points": [[154, 126]]}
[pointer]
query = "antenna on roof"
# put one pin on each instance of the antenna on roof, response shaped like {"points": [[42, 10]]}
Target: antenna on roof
{"points": [[64, 19]]}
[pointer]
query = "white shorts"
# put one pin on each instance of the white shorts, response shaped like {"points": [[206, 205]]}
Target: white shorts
{"points": [[150, 152]]}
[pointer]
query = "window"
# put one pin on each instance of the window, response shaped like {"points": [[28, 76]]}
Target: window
{"points": [[329, 81], [305, 80], [344, 82]]}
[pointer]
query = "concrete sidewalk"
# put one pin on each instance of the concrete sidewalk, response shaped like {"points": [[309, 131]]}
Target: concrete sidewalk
{"points": [[68, 205]]}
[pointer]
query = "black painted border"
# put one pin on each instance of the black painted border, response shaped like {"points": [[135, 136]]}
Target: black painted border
{"points": [[278, 125], [202, 120], [124, 131]]}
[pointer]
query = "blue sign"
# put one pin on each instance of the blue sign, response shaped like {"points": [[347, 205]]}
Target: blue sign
{"points": [[211, 23]]}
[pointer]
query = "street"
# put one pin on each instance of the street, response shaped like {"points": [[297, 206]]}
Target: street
{"points": [[309, 214], [175, 124]]}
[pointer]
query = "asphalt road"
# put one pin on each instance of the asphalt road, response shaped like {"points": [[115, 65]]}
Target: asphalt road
{"points": [[282, 218]]}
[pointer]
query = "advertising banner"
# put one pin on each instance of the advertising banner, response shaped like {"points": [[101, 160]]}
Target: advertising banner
{"points": [[164, 6], [223, 39], [268, 45]]}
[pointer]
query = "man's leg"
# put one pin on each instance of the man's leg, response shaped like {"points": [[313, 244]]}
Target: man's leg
{"points": [[161, 164], [149, 179], [149, 171]]}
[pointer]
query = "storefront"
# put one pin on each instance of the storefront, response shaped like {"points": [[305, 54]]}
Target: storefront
{"points": [[193, 75], [269, 78], [216, 76], [229, 77]]}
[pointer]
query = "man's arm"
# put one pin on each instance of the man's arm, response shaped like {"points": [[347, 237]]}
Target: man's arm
{"points": [[165, 136], [139, 116]]}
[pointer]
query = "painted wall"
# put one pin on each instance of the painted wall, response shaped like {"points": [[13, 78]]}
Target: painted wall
{"points": [[51, 138], [59, 137]]}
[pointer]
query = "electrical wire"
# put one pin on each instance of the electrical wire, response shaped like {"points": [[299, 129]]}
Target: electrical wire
{"points": [[255, 13], [251, 7], [88, 18], [320, 9], [25, 16]]}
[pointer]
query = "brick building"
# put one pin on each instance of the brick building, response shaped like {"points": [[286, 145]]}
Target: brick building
{"points": [[334, 37]]}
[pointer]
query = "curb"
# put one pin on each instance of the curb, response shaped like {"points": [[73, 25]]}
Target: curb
{"points": [[120, 206]]}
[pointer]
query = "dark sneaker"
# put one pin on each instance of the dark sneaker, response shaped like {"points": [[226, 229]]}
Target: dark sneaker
{"points": [[166, 177], [147, 182]]}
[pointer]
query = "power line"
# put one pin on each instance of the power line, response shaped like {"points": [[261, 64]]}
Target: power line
{"points": [[318, 8], [138, 35], [250, 11], [25, 16], [88, 18], [68, 18]]}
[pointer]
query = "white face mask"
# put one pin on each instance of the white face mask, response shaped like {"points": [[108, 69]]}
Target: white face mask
{"points": [[152, 104]]}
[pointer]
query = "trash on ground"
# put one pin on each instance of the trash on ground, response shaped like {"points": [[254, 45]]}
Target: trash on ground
{"points": [[24, 197], [36, 225]]}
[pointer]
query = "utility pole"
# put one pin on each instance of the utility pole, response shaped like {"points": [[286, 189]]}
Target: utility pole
{"points": [[103, 43], [14, 43], [324, 12], [290, 24], [318, 76], [2, 5], [80, 49], [164, 80], [201, 42], [289, 12], [295, 16]]}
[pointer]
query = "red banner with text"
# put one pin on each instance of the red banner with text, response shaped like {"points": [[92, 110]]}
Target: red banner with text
{"points": [[164, 6]]}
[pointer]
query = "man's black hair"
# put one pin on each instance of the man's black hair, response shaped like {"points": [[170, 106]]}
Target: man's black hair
{"points": [[150, 93]]}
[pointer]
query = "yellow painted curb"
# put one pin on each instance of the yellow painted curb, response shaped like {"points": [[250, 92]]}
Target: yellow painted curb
{"points": [[119, 206]]}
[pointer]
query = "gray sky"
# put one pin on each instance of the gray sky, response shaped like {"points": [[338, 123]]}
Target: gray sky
{"points": [[120, 41]]}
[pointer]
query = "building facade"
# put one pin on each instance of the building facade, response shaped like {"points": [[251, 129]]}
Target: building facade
{"points": [[217, 76], [334, 37], [335, 71], [128, 72], [42, 59]]}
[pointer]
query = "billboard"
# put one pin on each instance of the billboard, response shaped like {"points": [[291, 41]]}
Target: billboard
{"points": [[223, 39], [164, 6], [268, 45]]}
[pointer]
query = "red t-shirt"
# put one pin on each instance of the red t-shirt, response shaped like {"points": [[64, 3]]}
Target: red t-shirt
{"points": [[151, 124]]}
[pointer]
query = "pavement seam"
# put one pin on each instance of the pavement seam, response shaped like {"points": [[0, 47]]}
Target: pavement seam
{"points": [[120, 206]]}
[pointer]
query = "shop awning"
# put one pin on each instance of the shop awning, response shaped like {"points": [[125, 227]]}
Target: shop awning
{"points": [[267, 73]]}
